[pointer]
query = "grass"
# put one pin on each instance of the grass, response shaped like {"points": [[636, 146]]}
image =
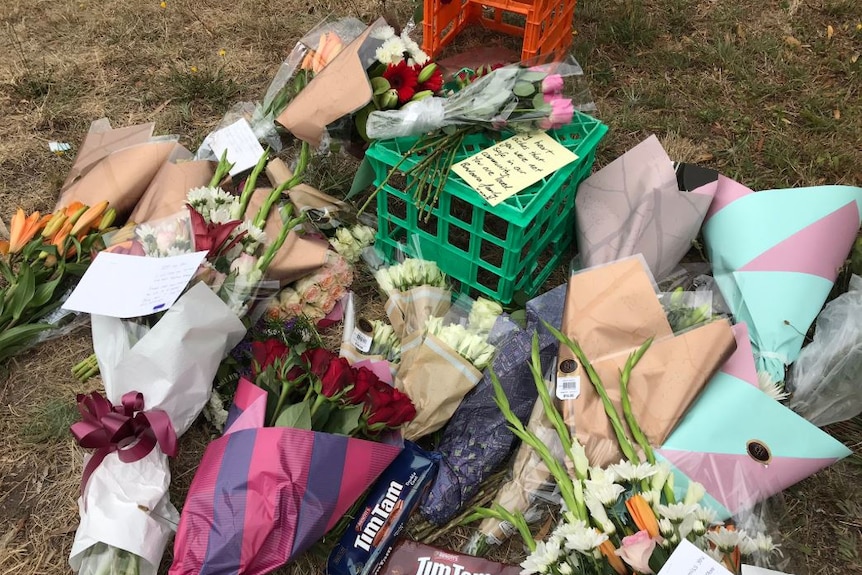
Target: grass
{"points": [[758, 90]]}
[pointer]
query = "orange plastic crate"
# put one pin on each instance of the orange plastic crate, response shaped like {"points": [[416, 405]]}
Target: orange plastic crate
{"points": [[545, 25]]}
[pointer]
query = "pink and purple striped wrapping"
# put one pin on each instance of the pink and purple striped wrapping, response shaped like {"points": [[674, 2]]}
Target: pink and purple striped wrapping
{"points": [[263, 495]]}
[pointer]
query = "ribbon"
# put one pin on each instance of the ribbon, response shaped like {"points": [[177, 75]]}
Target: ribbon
{"points": [[126, 428]]}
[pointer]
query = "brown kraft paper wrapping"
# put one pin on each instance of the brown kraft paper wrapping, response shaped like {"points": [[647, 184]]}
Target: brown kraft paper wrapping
{"points": [[299, 256], [436, 378], [611, 311], [121, 177], [408, 311], [168, 192]]}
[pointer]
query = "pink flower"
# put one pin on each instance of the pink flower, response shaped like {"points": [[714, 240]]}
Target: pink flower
{"points": [[552, 84], [312, 294], [636, 550], [244, 264], [561, 114]]}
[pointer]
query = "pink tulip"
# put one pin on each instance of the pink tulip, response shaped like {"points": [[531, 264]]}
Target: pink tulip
{"points": [[561, 114], [636, 550]]}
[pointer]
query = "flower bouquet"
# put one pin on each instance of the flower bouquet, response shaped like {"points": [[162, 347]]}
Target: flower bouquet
{"points": [[624, 517], [415, 289], [158, 375], [367, 342], [302, 444], [444, 361], [313, 296], [514, 98], [39, 263]]}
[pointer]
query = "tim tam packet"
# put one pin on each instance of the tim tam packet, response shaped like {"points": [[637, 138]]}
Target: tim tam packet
{"points": [[367, 540], [413, 558]]}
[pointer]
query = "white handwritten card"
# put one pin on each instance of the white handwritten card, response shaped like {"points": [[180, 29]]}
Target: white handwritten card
{"points": [[124, 286], [687, 559], [513, 165], [243, 149]]}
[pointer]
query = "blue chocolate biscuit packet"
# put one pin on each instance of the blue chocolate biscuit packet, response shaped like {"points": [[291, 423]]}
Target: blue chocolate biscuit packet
{"points": [[369, 537]]}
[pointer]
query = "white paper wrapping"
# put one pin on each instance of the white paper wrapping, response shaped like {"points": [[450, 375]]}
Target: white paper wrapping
{"points": [[173, 365]]}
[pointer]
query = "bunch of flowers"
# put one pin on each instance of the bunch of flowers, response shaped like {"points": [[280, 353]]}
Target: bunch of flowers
{"points": [[409, 274], [466, 76], [384, 342], [39, 263], [514, 98], [402, 74], [320, 391], [682, 312], [469, 344], [624, 517], [349, 242], [315, 295]]}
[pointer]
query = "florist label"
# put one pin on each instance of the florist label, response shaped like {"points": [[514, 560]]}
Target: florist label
{"points": [[513, 165], [689, 560]]}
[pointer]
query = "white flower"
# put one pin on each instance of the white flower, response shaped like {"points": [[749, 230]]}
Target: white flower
{"points": [[391, 52], [665, 526], [598, 513], [771, 387], [254, 233], [747, 546], [706, 515], [607, 493], [695, 493], [176, 250], [651, 497], [662, 472], [698, 527], [725, 539], [215, 412], [545, 555], [412, 48], [199, 196], [600, 475], [676, 512], [628, 471], [383, 33], [565, 569], [715, 554], [145, 232], [363, 234], [764, 544], [243, 265], [483, 314], [578, 536], [219, 215]]}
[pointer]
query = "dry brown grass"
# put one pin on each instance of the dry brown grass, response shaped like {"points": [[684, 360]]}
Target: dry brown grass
{"points": [[717, 81]]}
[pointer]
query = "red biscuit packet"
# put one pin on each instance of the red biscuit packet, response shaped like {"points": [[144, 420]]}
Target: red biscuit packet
{"points": [[413, 558]]}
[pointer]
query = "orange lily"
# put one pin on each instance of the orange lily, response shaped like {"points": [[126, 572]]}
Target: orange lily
{"points": [[643, 515], [22, 230], [73, 208], [59, 239], [93, 214], [4, 247], [607, 548]]}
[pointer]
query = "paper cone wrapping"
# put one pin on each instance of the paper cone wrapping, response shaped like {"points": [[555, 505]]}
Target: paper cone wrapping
{"points": [[408, 311], [775, 257], [173, 366], [263, 495], [167, 193], [610, 311], [115, 165], [636, 205], [436, 379]]}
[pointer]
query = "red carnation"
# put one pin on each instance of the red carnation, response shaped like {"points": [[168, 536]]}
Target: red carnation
{"points": [[338, 376], [403, 79], [434, 83], [265, 353]]}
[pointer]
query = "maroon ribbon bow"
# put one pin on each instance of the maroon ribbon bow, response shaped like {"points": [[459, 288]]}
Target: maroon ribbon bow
{"points": [[126, 429]]}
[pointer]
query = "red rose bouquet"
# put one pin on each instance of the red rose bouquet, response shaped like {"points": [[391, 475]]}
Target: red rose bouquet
{"points": [[302, 443]]}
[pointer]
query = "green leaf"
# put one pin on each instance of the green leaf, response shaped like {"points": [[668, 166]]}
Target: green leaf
{"points": [[297, 415], [380, 85], [17, 339], [532, 76], [523, 89], [25, 288], [321, 416], [344, 421], [539, 102], [45, 291]]}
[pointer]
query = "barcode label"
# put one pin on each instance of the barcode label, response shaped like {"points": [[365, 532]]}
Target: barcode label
{"points": [[568, 387], [361, 341]]}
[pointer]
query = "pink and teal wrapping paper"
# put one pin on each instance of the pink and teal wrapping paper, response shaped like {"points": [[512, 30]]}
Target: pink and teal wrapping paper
{"points": [[775, 256], [263, 495], [711, 444]]}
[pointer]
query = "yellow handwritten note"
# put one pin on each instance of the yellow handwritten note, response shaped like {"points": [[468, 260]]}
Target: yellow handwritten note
{"points": [[513, 165]]}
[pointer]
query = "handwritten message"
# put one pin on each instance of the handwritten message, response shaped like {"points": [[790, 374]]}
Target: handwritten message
{"points": [[238, 139], [124, 286], [689, 560], [512, 165]]}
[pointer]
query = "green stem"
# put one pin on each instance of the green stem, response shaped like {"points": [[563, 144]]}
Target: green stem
{"points": [[635, 428], [250, 184], [274, 195], [221, 170], [285, 391]]}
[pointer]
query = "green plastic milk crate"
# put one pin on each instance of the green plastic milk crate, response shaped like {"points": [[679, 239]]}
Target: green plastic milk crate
{"points": [[496, 251]]}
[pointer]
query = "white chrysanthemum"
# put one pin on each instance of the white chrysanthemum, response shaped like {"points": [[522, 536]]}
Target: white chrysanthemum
{"points": [[771, 387], [715, 554], [705, 514], [765, 544], [665, 526], [255, 234], [175, 250], [599, 514], [412, 48], [607, 493], [145, 231], [199, 196], [565, 568], [391, 52], [600, 475], [747, 546], [651, 497], [725, 539], [628, 471], [383, 33], [578, 536], [363, 234], [676, 512], [220, 215], [539, 561]]}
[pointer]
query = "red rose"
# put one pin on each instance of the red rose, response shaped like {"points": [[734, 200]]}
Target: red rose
{"points": [[403, 411], [266, 352], [378, 401], [338, 376], [317, 360], [363, 380]]}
